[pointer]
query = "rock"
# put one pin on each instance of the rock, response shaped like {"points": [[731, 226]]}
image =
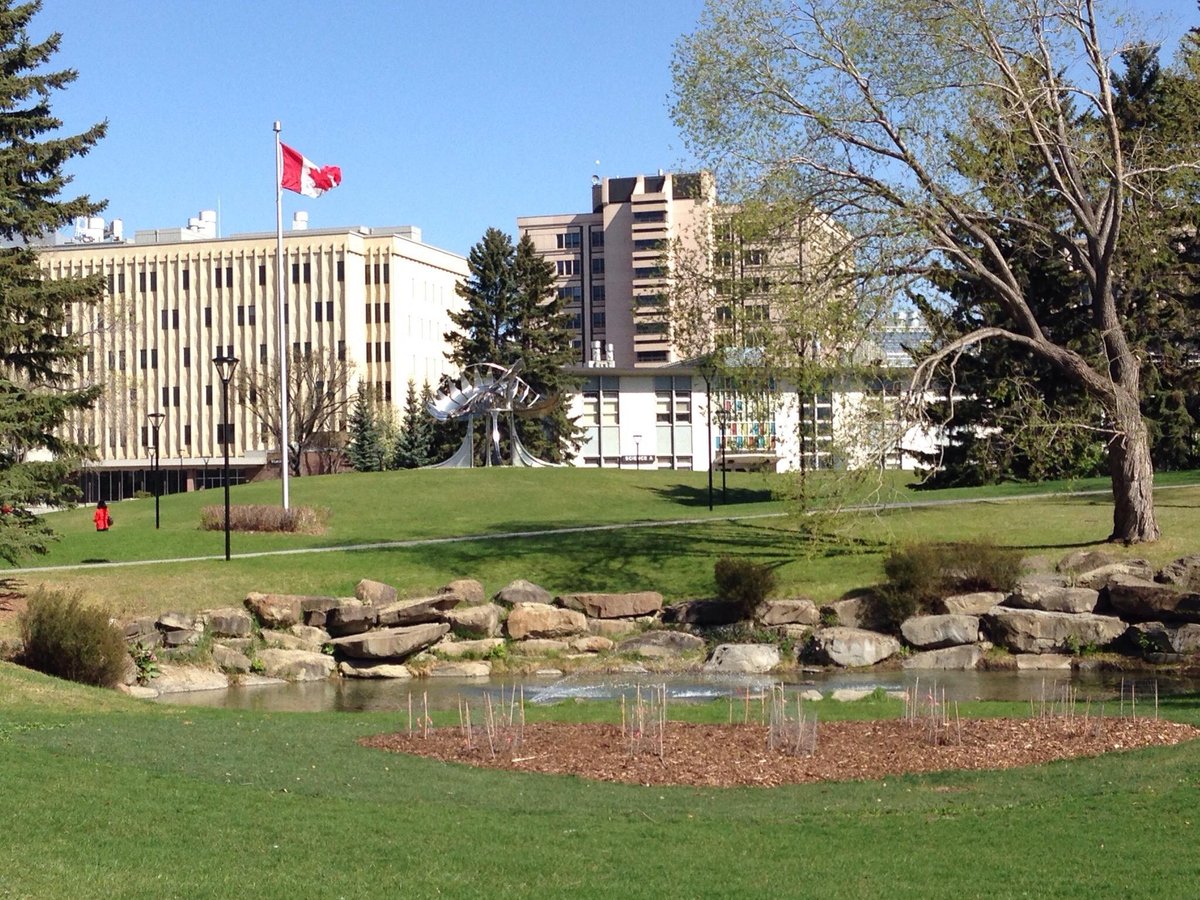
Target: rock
{"points": [[178, 621], [241, 645], [789, 612], [475, 621], [144, 631], [416, 610], [661, 644], [748, 658], [540, 646], [350, 668], [975, 604], [853, 647], [962, 658], [296, 665], [138, 691], [468, 591], [275, 610], [180, 679], [850, 695], [522, 591], [375, 593], [853, 612], [1098, 578], [796, 633], [1035, 631], [1037, 661], [1186, 639], [540, 620], [611, 628], [1084, 561], [349, 617], [457, 649], [285, 640], [810, 695], [390, 643], [1151, 637], [314, 638], [1139, 600], [315, 609], [229, 622], [229, 659], [593, 643], [614, 606], [935, 632], [549, 673], [1053, 598], [1183, 573], [180, 638], [702, 612], [478, 669]]}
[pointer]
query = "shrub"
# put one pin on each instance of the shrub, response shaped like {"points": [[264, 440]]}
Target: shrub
{"points": [[298, 520], [919, 574], [743, 583], [66, 639]]}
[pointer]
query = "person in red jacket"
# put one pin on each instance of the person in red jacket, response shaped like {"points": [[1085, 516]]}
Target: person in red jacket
{"points": [[101, 517]]}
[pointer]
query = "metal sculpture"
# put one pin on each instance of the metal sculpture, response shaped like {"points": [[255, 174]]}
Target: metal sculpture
{"points": [[489, 389]]}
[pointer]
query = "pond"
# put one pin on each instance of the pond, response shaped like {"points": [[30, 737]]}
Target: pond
{"points": [[356, 695]]}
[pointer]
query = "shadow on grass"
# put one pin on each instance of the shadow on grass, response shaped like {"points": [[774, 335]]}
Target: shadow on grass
{"points": [[692, 496]]}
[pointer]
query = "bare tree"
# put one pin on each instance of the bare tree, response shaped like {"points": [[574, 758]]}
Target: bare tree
{"points": [[864, 107], [318, 395]]}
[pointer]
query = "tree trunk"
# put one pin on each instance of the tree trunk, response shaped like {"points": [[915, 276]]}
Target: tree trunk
{"points": [[1132, 477]]}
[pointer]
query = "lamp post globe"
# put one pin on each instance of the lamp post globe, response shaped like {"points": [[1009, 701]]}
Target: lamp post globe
{"points": [[225, 366]]}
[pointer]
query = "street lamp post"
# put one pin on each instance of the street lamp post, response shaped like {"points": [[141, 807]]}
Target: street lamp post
{"points": [[225, 366], [156, 419], [637, 452], [722, 421], [204, 477]]}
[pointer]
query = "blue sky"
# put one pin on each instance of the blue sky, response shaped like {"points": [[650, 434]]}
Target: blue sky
{"points": [[452, 115]]}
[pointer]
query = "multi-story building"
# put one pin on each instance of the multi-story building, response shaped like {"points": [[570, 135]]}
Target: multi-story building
{"points": [[377, 298], [613, 264]]}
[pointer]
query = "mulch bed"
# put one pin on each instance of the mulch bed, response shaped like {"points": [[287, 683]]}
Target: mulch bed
{"points": [[732, 755]]}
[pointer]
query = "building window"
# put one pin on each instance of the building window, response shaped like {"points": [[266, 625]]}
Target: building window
{"points": [[225, 433], [568, 266], [649, 356], [187, 357], [185, 279], [165, 319], [657, 215], [651, 328], [142, 357], [649, 272], [251, 314], [569, 241], [307, 272], [387, 275], [241, 315], [341, 270], [166, 396], [262, 276], [368, 313], [341, 351], [175, 396], [597, 265], [597, 293], [145, 278], [572, 293], [649, 244], [378, 312], [187, 436], [262, 353], [223, 276], [208, 392], [121, 360], [208, 317], [318, 310], [328, 310], [597, 240]]}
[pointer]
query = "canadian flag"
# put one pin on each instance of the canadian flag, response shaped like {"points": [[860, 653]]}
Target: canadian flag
{"points": [[302, 175]]}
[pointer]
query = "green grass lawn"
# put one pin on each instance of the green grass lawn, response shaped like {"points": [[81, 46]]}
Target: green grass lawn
{"points": [[665, 555], [109, 797]]}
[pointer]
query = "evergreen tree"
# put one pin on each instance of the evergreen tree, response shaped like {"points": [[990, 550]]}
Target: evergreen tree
{"points": [[513, 313], [414, 443], [365, 450], [39, 353]]}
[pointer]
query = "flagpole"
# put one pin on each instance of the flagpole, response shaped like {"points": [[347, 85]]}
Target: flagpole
{"points": [[280, 320]]}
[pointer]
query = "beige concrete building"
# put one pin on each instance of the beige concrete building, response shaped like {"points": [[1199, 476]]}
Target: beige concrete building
{"points": [[613, 264], [378, 298]]}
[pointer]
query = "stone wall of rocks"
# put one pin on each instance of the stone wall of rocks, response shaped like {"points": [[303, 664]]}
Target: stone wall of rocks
{"points": [[1090, 602]]}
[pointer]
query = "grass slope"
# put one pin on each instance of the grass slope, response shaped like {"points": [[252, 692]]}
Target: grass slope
{"points": [[135, 800]]}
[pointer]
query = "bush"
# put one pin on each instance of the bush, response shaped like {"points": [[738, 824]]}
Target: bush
{"points": [[743, 583], [919, 574], [66, 639], [298, 520]]}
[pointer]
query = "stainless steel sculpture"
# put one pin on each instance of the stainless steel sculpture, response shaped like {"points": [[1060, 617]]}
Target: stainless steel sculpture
{"points": [[489, 389]]}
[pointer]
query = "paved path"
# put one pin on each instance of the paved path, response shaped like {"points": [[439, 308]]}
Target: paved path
{"points": [[550, 532]]}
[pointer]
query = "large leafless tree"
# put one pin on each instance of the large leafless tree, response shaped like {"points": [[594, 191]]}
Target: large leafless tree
{"points": [[863, 107]]}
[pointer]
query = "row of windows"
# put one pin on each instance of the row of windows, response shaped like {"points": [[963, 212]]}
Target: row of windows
{"points": [[223, 277], [571, 240]]}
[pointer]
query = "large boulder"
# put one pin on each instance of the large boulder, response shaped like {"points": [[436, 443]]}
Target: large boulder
{"points": [[230, 660], [611, 628], [314, 610], [853, 647], [661, 644], [350, 668], [390, 643], [182, 679], [540, 646], [1042, 661], [1152, 638], [142, 631], [592, 643], [1053, 598], [1139, 600], [974, 604], [702, 612], [934, 632], [229, 622], [540, 620], [458, 649], [789, 612], [179, 621], [296, 665], [1183, 573], [743, 658], [1098, 577], [1186, 639], [350, 617], [853, 612], [275, 610], [965, 657], [467, 590], [376, 593], [1036, 631], [522, 591], [416, 610], [286, 640], [614, 606], [475, 621], [463, 669]]}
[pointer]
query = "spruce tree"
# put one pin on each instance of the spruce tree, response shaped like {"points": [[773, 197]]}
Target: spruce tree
{"points": [[414, 443], [37, 400], [364, 450]]}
